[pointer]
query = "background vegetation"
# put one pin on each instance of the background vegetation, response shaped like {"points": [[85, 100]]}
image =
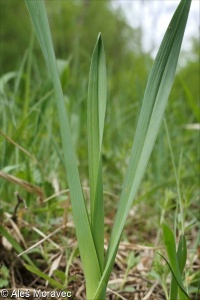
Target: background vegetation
{"points": [[28, 120]]}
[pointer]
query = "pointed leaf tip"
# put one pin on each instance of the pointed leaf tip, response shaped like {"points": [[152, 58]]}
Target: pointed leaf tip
{"points": [[99, 36]]}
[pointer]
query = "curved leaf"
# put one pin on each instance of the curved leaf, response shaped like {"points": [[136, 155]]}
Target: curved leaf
{"points": [[87, 248], [153, 107]]}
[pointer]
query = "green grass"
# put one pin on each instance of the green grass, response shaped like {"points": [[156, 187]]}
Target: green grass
{"points": [[88, 211]]}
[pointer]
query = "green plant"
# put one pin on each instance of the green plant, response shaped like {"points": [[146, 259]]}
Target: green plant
{"points": [[177, 258], [90, 227], [177, 261], [4, 272]]}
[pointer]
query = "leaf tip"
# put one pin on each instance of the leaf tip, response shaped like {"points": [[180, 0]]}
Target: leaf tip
{"points": [[99, 37]]}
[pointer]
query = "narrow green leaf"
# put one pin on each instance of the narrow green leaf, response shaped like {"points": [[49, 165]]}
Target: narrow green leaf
{"points": [[87, 249], [61, 275], [41, 274], [15, 244], [170, 245], [182, 257], [154, 103], [173, 286], [182, 253], [184, 295], [96, 107]]}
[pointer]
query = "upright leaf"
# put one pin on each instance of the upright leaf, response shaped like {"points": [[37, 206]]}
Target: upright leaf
{"points": [[154, 103], [181, 258], [87, 248], [170, 245], [96, 107]]}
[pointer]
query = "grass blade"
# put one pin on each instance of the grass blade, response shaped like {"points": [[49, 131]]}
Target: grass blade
{"points": [[174, 264], [182, 253], [15, 244], [151, 115], [181, 257], [41, 274], [95, 123], [85, 240], [184, 295]]}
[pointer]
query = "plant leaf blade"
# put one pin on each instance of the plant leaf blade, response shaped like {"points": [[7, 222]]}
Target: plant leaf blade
{"points": [[96, 107], [154, 103], [87, 249]]}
